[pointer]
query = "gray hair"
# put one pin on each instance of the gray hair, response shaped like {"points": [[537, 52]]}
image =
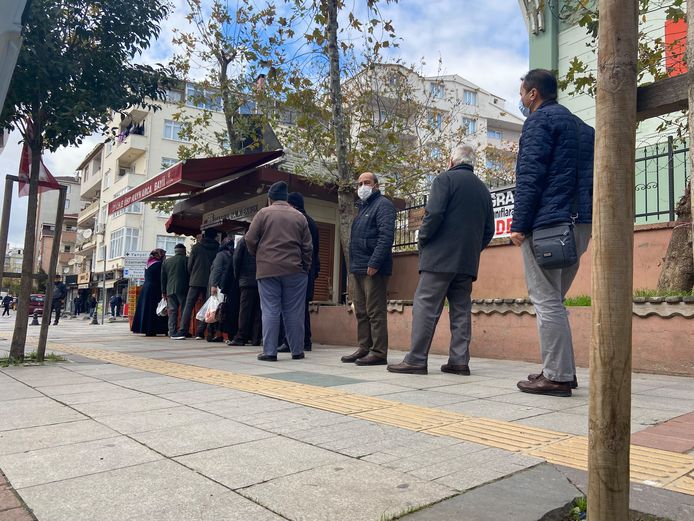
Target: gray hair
{"points": [[463, 154]]}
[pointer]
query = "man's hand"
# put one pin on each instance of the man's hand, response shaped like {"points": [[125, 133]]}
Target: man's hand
{"points": [[371, 271], [517, 238], [213, 290]]}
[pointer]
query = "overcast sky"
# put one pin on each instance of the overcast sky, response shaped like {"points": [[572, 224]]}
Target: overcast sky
{"points": [[484, 42]]}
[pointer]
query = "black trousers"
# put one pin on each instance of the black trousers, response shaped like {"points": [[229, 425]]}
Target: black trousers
{"points": [[56, 307], [250, 317], [6, 311]]}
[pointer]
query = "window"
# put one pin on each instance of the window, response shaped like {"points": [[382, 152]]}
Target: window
{"points": [[470, 125], [67, 204], [436, 120], [494, 134], [168, 242], [67, 189], [109, 146], [172, 130], [202, 99], [122, 240], [66, 248], [101, 253], [436, 90], [135, 208], [248, 108], [107, 179], [174, 96], [470, 97], [166, 162]]}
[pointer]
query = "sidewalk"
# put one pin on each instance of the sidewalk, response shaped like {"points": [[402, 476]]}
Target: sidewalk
{"points": [[194, 431]]}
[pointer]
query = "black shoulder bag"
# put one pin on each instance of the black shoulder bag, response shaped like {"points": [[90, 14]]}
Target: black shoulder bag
{"points": [[555, 246]]}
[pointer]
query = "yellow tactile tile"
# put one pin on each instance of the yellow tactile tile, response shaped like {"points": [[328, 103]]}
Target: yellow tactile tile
{"points": [[650, 466], [411, 417], [503, 435]]}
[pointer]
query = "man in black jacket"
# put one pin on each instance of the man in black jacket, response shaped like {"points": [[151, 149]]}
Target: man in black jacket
{"points": [[59, 294], [249, 317], [554, 185], [370, 267], [458, 224], [200, 262]]}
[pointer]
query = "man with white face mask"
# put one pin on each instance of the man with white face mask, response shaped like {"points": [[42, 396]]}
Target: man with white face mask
{"points": [[370, 267]]}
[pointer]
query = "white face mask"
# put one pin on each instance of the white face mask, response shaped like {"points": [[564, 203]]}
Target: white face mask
{"points": [[364, 192], [523, 109]]}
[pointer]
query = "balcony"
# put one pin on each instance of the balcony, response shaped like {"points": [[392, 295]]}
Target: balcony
{"points": [[130, 149], [85, 219], [87, 246]]}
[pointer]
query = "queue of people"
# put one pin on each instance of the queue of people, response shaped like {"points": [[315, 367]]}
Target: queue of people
{"points": [[267, 279]]}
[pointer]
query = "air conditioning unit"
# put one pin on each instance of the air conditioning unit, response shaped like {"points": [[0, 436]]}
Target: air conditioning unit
{"points": [[100, 228], [124, 171]]}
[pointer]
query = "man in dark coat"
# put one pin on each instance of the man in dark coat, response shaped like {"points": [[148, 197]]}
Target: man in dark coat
{"points": [[220, 268], [6, 301], [370, 267], [554, 185], [174, 284], [458, 224], [296, 200], [199, 263], [250, 323], [59, 294]]}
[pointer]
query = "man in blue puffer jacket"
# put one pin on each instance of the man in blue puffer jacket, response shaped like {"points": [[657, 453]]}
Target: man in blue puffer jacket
{"points": [[370, 267], [554, 185]]}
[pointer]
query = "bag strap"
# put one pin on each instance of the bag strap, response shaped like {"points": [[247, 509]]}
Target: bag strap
{"points": [[574, 202]]}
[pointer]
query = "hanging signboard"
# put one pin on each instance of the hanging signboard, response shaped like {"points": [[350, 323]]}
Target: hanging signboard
{"points": [[134, 264], [502, 202]]}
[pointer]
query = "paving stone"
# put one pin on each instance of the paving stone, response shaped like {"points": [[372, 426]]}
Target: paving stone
{"points": [[197, 437], [494, 410], [294, 419], [349, 490], [35, 438], [60, 390], [372, 388], [245, 407], [204, 395], [656, 441], [426, 398], [15, 514], [68, 461], [119, 394], [558, 421], [17, 391], [475, 390], [312, 378], [525, 496], [110, 407], [250, 463], [31, 412], [8, 499], [137, 493], [156, 420]]}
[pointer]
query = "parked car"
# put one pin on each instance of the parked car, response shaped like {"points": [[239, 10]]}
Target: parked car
{"points": [[36, 303]]}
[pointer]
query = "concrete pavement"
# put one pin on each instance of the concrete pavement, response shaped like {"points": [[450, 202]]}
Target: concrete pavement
{"points": [[230, 437]]}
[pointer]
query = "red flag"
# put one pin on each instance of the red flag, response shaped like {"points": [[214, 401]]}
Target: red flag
{"points": [[46, 180]]}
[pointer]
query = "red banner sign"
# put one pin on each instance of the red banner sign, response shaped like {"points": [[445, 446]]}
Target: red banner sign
{"points": [[155, 185]]}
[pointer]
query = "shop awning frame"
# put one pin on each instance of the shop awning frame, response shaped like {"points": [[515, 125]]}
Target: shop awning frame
{"points": [[193, 176]]}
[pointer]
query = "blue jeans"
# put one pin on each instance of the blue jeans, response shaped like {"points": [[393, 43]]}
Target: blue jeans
{"points": [[283, 296]]}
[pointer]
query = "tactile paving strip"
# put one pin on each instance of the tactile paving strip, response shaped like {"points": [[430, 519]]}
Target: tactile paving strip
{"points": [[502, 435], [654, 467]]}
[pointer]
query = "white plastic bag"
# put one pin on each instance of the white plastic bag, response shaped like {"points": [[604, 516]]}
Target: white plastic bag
{"points": [[208, 310], [162, 308]]}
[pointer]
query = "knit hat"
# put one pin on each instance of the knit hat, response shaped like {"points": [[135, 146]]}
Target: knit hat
{"points": [[278, 191], [296, 200], [180, 248]]}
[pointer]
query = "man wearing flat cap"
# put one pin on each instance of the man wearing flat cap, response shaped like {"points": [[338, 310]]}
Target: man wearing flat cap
{"points": [[281, 242]]}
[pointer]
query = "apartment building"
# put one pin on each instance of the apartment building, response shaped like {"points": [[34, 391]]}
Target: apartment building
{"points": [[145, 143]]}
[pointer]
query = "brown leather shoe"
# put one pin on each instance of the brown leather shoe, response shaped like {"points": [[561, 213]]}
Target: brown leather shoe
{"points": [[359, 353], [533, 377], [543, 386], [371, 360], [404, 367], [456, 369]]}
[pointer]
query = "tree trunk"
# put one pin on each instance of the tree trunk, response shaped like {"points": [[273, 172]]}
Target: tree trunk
{"points": [[613, 251], [227, 106], [345, 176], [677, 273], [21, 320], [690, 85]]}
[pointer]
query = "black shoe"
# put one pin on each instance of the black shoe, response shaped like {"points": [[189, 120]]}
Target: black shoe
{"points": [[359, 353], [215, 339], [235, 342], [300, 356], [55, 323], [308, 348], [284, 348], [267, 358], [456, 369], [405, 368], [543, 386], [371, 359]]}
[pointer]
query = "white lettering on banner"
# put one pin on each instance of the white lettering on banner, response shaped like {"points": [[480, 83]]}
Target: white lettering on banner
{"points": [[232, 215], [502, 202]]}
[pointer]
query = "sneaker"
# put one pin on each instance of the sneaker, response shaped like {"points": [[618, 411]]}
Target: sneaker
{"points": [[199, 337], [215, 339], [178, 336]]}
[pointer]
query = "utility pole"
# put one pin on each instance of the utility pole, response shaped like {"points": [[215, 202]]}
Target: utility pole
{"points": [[613, 251]]}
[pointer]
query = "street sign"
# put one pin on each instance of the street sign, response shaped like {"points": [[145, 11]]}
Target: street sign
{"points": [[134, 264]]}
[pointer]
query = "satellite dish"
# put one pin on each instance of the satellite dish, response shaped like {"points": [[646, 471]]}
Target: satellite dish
{"points": [[71, 262], [87, 233], [66, 270]]}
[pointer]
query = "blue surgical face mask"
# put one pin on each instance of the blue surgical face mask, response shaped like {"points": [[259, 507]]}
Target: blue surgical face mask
{"points": [[524, 110]]}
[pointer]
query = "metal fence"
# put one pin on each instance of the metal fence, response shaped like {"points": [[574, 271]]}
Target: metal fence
{"points": [[407, 222], [662, 174]]}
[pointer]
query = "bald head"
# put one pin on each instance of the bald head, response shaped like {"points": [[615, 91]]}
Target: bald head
{"points": [[368, 179]]}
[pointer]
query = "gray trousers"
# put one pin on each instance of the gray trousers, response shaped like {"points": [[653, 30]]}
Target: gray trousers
{"points": [[547, 289], [432, 290], [283, 297], [370, 298], [174, 302]]}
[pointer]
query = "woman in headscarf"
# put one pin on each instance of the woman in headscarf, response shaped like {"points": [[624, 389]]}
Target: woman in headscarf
{"points": [[146, 320]]}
